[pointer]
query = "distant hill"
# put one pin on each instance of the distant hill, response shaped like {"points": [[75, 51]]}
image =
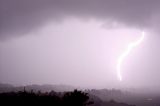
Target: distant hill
{"points": [[48, 88], [42, 88], [6, 87], [138, 99]]}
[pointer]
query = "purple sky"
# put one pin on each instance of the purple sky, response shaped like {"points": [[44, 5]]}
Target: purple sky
{"points": [[78, 42]]}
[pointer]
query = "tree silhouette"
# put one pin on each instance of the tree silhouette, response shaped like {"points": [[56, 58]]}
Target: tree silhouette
{"points": [[76, 98]]}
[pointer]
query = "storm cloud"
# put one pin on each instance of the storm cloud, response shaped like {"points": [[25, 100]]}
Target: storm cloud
{"points": [[22, 16]]}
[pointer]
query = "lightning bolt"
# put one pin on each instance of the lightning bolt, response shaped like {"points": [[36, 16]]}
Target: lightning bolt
{"points": [[126, 52]]}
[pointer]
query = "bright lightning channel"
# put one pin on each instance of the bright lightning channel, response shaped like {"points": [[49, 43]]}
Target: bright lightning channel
{"points": [[126, 52]]}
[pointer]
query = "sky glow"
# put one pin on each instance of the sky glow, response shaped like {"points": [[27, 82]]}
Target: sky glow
{"points": [[125, 53]]}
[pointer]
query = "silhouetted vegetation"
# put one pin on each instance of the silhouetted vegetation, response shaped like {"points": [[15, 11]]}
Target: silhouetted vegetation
{"points": [[72, 98], [75, 98], [61, 95]]}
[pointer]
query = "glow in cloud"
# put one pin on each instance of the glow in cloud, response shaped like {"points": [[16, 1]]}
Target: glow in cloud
{"points": [[126, 52]]}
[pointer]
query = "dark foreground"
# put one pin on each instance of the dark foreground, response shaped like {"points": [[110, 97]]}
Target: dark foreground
{"points": [[74, 98]]}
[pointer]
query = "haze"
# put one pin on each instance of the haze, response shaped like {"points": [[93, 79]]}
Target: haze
{"points": [[78, 42]]}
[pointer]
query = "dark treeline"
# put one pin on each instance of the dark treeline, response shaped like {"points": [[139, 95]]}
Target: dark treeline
{"points": [[75, 98], [72, 98], [60, 95]]}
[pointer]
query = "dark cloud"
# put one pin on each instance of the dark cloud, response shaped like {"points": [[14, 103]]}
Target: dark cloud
{"points": [[22, 16]]}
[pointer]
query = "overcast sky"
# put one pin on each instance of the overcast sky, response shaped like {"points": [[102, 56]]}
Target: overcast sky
{"points": [[78, 42]]}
